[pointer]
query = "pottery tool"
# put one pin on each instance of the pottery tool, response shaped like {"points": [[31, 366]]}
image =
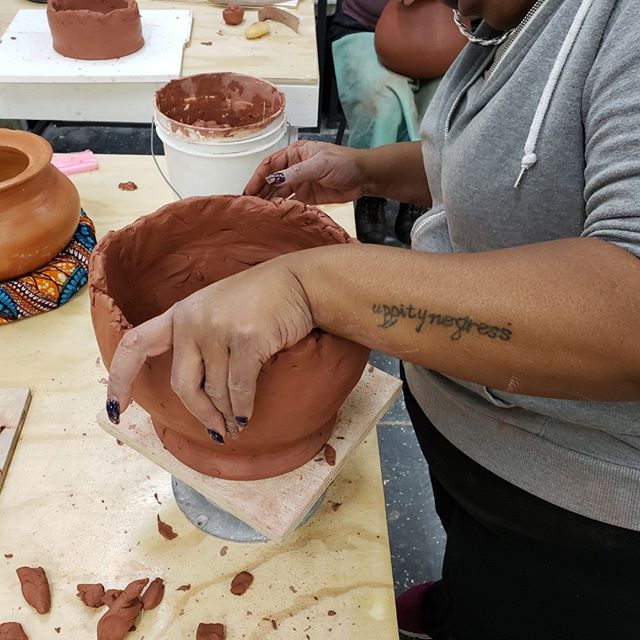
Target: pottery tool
{"points": [[14, 404], [257, 510]]}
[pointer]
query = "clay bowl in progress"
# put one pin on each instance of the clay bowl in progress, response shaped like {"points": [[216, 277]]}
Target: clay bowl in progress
{"points": [[142, 270], [95, 29], [39, 206]]}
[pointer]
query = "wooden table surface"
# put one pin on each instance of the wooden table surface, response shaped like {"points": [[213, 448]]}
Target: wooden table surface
{"points": [[82, 507]]}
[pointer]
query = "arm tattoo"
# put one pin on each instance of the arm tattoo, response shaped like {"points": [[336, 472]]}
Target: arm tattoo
{"points": [[461, 325]]}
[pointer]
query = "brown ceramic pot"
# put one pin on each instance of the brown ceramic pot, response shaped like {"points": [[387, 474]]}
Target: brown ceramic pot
{"points": [[418, 41], [39, 206], [95, 29], [140, 271]]}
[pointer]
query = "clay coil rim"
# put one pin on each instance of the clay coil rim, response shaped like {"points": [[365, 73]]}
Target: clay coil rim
{"points": [[36, 149], [131, 5], [193, 132]]}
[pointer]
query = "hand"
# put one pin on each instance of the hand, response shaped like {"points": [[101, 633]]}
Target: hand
{"points": [[221, 336], [317, 172]]}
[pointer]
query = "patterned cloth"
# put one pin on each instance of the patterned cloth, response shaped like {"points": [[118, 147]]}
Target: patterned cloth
{"points": [[53, 284]]}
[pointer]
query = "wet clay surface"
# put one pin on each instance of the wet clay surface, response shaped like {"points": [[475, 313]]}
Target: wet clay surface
{"points": [[208, 631], [12, 631], [233, 14], [116, 622], [186, 246], [35, 588], [95, 29], [152, 597], [241, 583], [91, 594]]}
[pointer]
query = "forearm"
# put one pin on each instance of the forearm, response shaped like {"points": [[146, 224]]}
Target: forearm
{"points": [[396, 172], [557, 319]]}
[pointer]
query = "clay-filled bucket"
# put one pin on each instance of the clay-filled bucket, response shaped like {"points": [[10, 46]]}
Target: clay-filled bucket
{"points": [[216, 129]]}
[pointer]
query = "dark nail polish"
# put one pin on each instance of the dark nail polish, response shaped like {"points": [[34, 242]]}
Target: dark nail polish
{"points": [[242, 421], [276, 178], [215, 436], [113, 410]]}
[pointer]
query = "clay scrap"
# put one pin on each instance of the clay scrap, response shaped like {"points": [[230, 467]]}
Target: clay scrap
{"points": [[152, 597], [166, 530], [35, 588], [110, 596], [91, 594], [12, 631], [241, 583], [115, 623], [233, 14], [330, 455], [208, 631], [127, 186], [279, 15]]}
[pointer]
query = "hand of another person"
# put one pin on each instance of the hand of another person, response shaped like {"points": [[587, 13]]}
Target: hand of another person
{"points": [[221, 336], [317, 172]]}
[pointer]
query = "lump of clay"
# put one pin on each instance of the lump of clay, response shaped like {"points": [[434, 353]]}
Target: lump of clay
{"points": [[95, 29], [233, 14], [35, 588], [210, 631], [110, 596], [152, 597], [12, 631], [115, 623], [241, 583], [91, 594], [186, 246]]}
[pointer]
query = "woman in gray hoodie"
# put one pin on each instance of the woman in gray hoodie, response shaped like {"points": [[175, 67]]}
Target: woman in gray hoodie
{"points": [[516, 316]]}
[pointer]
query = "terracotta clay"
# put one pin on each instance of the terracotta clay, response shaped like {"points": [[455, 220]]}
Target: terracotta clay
{"points": [[210, 631], [152, 597], [418, 41], [115, 623], [127, 186], [35, 588], [184, 587], [210, 105], [95, 29], [233, 14], [186, 246], [40, 206], [12, 631], [91, 594], [330, 455], [166, 530], [110, 596], [241, 583], [279, 15]]}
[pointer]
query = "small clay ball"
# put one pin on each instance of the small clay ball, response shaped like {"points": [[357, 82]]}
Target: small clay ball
{"points": [[233, 14]]}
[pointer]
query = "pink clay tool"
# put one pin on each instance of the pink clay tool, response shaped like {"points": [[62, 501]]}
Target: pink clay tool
{"points": [[70, 163]]}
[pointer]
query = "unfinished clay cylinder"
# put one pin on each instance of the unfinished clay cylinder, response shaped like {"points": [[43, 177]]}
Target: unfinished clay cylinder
{"points": [[143, 269], [39, 206], [95, 29]]}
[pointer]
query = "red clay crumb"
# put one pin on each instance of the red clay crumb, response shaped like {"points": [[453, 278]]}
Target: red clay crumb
{"points": [[315, 598], [8, 555], [331, 612], [223, 551], [371, 368], [119, 442], [12, 37], [219, 32], [127, 186], [207, 631], [249, 613], [91, 594], [336, 505], [241, 583], [103, 381], [274, 624], [293, 589], [57, 629], [339, 437], [207, 44], [155, 495], [184, 587], [165, 530], [98, 361], [319, 460], [330, 455]]}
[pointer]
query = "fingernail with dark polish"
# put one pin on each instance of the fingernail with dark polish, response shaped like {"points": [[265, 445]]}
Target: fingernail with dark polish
{"points": [[113, 410], [275, 178], [242, 421], [215, 436]]}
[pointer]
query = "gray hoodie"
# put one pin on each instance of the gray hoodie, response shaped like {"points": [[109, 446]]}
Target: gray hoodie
{"points": [[559, 116]]}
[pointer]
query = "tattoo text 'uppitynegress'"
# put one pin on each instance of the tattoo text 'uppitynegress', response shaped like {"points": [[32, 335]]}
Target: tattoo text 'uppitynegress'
{"points": [[391, 313]]}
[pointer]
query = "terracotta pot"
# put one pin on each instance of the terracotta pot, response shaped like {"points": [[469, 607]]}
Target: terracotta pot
{"points": [[419, 41], [95, 29], [39, 206], [140, 271]]}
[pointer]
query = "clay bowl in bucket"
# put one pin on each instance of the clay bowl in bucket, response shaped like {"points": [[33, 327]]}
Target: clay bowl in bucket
{"points": [[95, 29], [142, 270]]}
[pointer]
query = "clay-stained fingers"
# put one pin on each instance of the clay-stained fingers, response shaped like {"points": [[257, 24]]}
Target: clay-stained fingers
{"points": [[244, 368], [276, 162], [147, 340], [216, 363], [187, 374]]}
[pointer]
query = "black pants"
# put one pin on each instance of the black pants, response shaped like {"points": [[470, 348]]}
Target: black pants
{"points": [[517, 567]]}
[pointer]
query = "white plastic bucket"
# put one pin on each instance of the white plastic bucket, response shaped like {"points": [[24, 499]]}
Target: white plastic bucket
{"points": [[212, 160]]}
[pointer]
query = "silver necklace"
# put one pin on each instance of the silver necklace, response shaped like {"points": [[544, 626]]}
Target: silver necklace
{"points": [[471, 37]]}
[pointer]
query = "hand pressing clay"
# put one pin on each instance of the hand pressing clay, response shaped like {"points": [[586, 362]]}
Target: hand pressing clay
{"points": [[241, 583], [233, 14], [35, 588], [115, 623], [152, 597], [91, 594], [210, 631], [13, 631], [110, 596]]}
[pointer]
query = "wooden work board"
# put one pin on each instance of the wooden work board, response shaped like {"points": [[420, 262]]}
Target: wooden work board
{"points": [[274, 506], [14, 404]]}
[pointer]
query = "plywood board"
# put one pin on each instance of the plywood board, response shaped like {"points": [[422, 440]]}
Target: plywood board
{"points": [[275, 506], [14, 404]]}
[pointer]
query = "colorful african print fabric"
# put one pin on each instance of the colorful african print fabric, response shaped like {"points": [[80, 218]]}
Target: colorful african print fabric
{"points": [[54, 284]]}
